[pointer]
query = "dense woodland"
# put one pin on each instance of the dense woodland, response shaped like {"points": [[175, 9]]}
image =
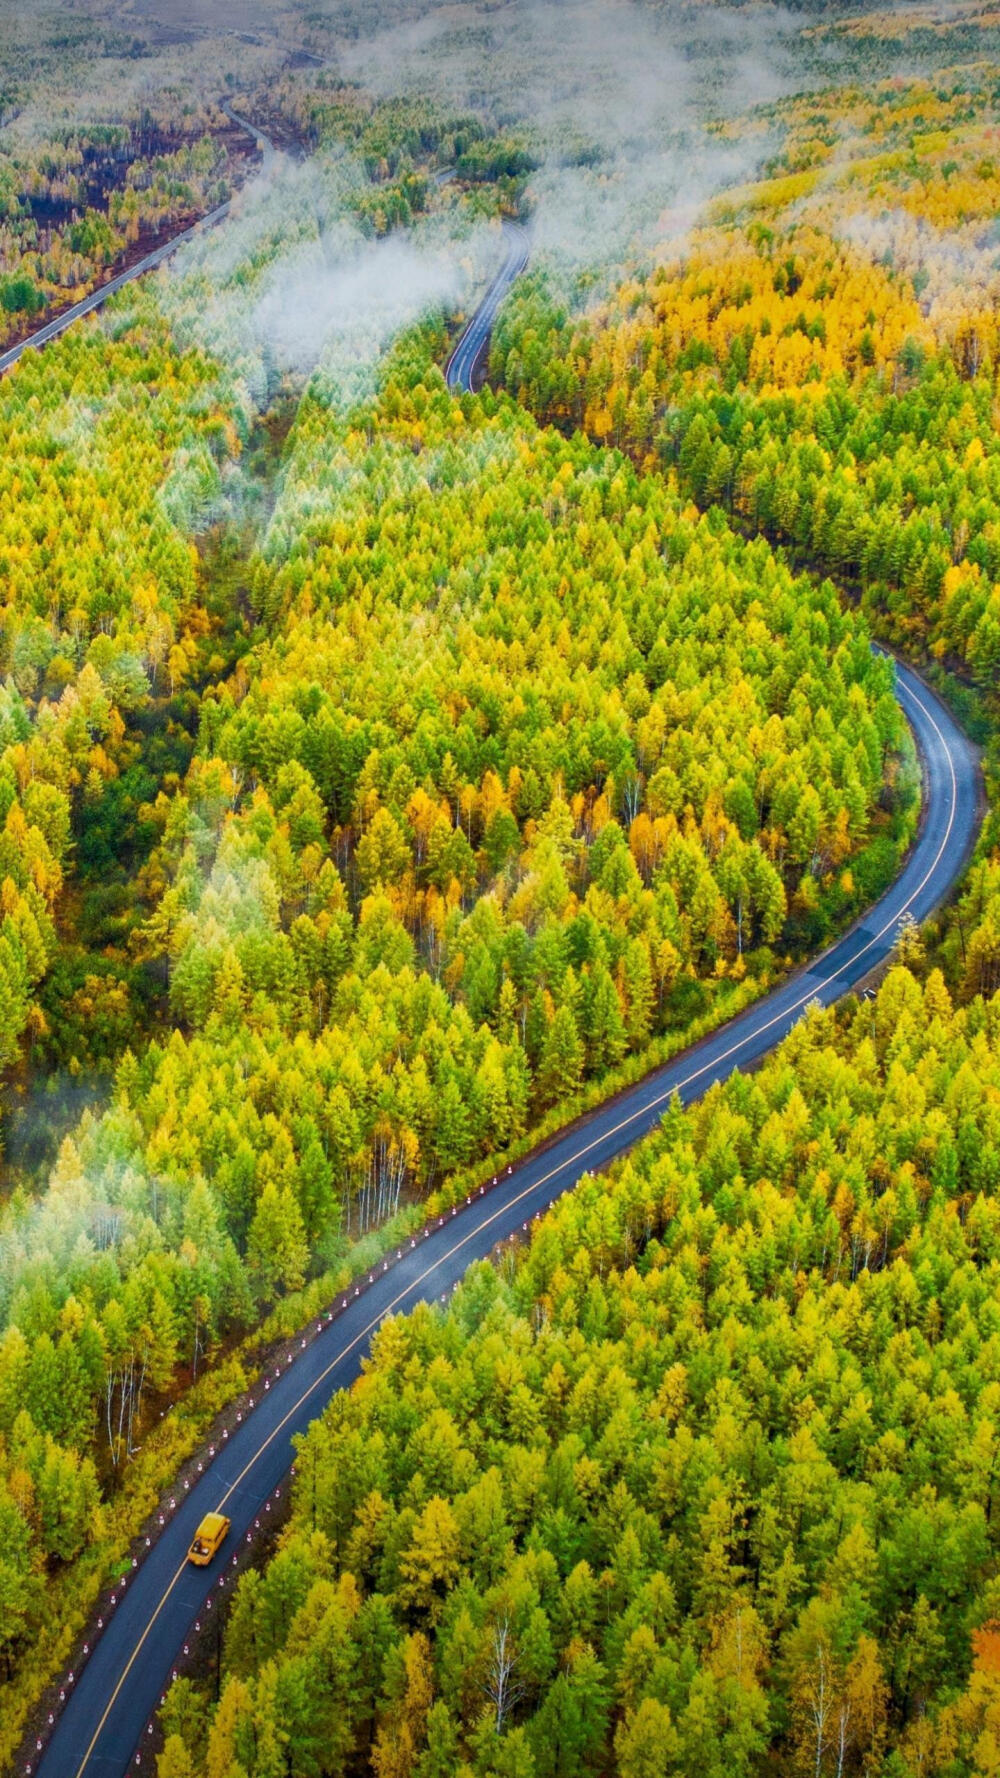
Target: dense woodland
{"points": [[74, 205], [398, 912], [710, 1471], [374, 918], [820, 361], [706, 1479], [111, 139], [382, 772], [819, 365]]}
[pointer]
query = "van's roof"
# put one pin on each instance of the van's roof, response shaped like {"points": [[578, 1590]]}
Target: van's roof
{"points": [[211, 1523]]}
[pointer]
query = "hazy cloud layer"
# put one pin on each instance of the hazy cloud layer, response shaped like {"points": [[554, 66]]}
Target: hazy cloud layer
{"points": [[615, 98], [611, 69], [290, 284], [373, 289]]}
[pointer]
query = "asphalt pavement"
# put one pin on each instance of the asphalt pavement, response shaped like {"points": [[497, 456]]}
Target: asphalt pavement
{"points": [[468, 356]]}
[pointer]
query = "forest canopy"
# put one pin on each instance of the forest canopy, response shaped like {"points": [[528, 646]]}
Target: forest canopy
{"points": [[385, 776], [707, 1477]]}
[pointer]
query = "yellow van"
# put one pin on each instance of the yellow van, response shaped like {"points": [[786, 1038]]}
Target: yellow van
{"points": [[208, 1539]]}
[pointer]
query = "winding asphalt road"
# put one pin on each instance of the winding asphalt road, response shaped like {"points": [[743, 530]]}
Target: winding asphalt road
{"points": [[119, 1688], [97, 298], [467, 358]]}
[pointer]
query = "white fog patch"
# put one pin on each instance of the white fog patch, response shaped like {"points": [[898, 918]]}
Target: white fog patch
{"points": [[291, 278], [372, 290]]}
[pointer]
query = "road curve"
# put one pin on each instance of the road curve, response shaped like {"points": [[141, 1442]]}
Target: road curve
{"points": [[471, 349], [118, 1689], [97, 298]]}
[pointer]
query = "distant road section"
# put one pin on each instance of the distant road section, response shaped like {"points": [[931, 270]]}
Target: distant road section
{"points": [[264, 143], [467, 358], [97, 298]]}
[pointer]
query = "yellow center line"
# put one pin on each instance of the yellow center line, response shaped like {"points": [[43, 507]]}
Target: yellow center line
{"points": [[512, 1203]]}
